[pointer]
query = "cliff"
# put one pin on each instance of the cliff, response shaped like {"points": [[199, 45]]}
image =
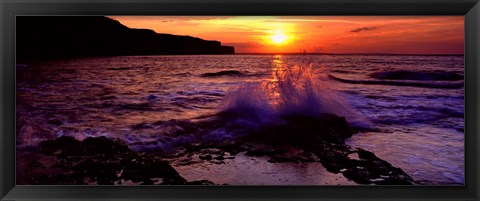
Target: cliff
{"points": [[47, 37]]}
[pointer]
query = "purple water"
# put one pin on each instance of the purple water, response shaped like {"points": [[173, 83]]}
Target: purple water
{"points": [[420, 120]]}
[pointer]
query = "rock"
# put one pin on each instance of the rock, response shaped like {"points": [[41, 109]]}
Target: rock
{"points": [[147, 182], [359, 176], [103, 145], [303, 131], [260, 152], [299, 139], [365, 154], [370, 169], [206, 157], [106, 162], [200, 182], [64, 144]]}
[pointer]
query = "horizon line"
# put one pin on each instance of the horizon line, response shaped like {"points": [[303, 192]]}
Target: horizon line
{"points": [[331, 53]]}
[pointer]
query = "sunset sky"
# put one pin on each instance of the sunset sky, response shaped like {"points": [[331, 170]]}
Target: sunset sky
{"points": [[321, 34]]}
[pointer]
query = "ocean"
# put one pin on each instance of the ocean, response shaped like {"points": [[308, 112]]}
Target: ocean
{"points": [[413, 105]]}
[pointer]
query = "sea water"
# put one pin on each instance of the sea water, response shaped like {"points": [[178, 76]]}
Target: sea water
{"points": [[413, 105]]}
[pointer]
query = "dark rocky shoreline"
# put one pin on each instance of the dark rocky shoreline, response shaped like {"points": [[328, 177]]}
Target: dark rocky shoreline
{"points": [[103, 161]]}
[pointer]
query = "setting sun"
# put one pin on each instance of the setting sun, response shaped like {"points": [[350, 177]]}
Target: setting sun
{"points": [[278, 38], [315, 34]]}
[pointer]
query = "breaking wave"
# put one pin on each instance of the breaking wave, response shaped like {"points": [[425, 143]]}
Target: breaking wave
{"points": [[440, 85], [299, 91], [224, 73], [412, 75]]}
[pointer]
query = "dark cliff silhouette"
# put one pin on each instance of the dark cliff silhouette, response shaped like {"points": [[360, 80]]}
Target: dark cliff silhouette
{"points": [[49, 37]]}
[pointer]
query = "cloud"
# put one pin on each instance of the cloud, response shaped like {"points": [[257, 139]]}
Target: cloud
{"points": [[245, 45], [305, 20], [364, 29], [198, 18]]}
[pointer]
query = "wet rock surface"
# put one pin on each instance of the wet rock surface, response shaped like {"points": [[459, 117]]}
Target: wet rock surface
{"points": [[103, 161], [311, 139], [100, 160]]}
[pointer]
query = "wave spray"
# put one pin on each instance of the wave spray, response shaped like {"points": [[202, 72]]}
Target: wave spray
{"points": [[300, 90]]}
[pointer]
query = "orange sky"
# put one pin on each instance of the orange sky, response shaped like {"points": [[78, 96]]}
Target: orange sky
{"points": [[323, 34]]}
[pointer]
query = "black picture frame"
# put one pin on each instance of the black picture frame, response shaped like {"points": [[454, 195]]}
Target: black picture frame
{"points": [[11, 8]]}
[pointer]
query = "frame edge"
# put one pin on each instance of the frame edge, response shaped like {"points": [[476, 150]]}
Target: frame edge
{"points": [[472, 32], [472, 98]]}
